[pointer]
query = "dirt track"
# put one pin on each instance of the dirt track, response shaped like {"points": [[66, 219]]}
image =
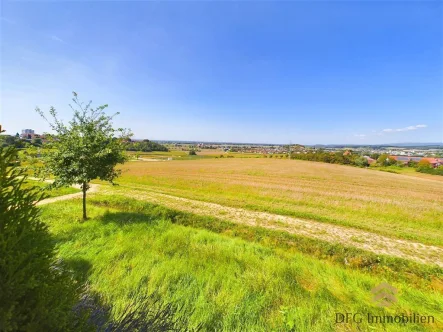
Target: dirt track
{"points": [[375, 243], [92, 188]]}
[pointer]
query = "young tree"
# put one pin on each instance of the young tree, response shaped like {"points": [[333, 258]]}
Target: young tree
{"points": [[86, 148]]}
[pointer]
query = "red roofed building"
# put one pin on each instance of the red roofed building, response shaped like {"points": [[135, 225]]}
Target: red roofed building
{"points": [[435, 162], [369, 159]]}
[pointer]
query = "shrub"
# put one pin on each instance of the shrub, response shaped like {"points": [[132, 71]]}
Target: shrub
{"points": [[384, 160], [424, 164], [36, 292], [361, 162], [430, 170], [192, 153]]}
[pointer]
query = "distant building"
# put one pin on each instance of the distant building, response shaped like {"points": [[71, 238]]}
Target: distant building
{"points": [[370, 160], [27, 134], [435, 162]]}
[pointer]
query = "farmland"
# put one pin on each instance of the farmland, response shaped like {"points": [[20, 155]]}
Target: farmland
{"points": [[389, 204], [191, 231], [221, 166]]}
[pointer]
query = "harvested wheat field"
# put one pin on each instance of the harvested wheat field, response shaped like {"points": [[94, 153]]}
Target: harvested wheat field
{"points": [[394, 205]]}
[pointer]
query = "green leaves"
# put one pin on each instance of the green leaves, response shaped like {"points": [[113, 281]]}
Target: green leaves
{"points": [[86, 148], [33, 297]]}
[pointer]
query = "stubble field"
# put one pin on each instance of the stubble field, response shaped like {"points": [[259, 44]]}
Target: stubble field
{"points": [[395, 205]]}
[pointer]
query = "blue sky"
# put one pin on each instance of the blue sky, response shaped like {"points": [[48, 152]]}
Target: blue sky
{"points": [[278, 72]]}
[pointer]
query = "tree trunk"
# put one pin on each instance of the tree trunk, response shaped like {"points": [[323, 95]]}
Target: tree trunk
{"points": [[84, 188]]}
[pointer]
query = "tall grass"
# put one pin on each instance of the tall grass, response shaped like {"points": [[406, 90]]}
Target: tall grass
{"points": [[228, 283]]}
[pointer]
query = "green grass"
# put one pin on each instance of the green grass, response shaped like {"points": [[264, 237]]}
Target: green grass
{"points": [[50, 192], [234, 279], [406, 207], [411, 171], [174, 154], [184, 155]]}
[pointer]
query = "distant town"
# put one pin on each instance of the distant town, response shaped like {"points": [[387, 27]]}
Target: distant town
{"points": [[401, 152]]}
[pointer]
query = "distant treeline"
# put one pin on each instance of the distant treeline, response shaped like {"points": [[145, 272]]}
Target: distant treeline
{"points": [[145, 146], [332, 158], [17, 142], [354, 159]]}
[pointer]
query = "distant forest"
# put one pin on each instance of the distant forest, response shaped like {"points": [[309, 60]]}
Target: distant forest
{"points": [[145, 146]]}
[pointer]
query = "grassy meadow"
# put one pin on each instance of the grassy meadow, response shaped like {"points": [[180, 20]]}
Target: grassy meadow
{"points": [[236, 277], [184, 155], [228, 281]]}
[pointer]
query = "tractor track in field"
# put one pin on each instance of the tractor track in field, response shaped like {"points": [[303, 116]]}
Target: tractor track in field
{"points": [[351, 237]]}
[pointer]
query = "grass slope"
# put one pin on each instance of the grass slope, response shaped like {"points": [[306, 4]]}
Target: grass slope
{"points": [[231, 283], [389, 204]]}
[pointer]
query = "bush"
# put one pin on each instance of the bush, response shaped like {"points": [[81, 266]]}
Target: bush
{"points": [[423, 165], [361, 162], [385, 160], [430, 170], [192, 153], [36, 292]]}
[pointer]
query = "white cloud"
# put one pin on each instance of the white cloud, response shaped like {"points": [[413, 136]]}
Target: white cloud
{"points": [[57, 39], [389, 130]]}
